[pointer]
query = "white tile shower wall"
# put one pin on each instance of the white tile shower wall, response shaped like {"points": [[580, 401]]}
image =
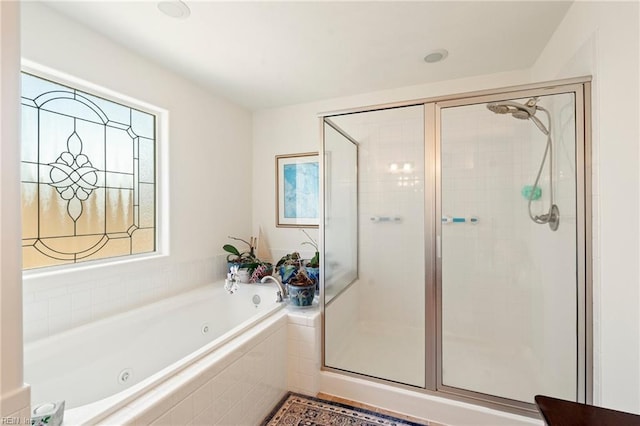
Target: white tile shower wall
{"points": [[53, 306], [480, 172], [238, 386], [503, 272], [390, 253], [303, 351]]}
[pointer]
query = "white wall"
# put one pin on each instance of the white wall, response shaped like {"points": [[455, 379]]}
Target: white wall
{"points": [[602, 39], [14, 398], [296, 128], [209, 180]]}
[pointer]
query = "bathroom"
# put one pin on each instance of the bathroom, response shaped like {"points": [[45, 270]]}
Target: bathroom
{"points": [[596, 39]]}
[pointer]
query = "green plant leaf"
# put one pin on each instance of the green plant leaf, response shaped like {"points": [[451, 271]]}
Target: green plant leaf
{"points": [[315, 260], [231, 249]]}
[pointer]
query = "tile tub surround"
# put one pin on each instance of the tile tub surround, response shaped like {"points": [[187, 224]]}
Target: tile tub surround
{"points": [[286, 354], [55, 302], [237, 385], [303, 350]]}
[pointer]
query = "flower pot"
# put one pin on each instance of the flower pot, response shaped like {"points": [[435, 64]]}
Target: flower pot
{"points": [[244, 275], [301, 295], [314, 274]]}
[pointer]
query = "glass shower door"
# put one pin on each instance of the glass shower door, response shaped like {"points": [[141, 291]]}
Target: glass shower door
{"points": [[375, 326], [508, 280]]}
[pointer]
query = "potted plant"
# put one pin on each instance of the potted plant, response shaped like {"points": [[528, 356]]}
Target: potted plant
{"points": [[288, 266], [313, 265], [250, 268], [301, 288], [300, 276]]}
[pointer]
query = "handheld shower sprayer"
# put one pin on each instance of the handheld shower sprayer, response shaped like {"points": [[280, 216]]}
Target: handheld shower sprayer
{"points": [[516, 109], [527, 111], [520, 111]]}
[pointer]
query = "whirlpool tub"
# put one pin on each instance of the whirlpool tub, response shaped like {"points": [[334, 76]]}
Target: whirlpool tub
{"points": [[193, 350]]}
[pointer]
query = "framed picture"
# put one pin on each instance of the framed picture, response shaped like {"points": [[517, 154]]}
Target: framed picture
{"points": [[298, 190]]}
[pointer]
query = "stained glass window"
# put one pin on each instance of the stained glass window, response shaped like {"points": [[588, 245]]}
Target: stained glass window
{"points": [[88, 176]]}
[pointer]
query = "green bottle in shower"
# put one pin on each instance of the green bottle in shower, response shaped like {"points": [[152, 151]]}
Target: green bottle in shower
{"points": [[531, 193]]}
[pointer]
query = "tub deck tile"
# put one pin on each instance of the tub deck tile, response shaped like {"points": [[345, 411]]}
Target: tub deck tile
{"points": [[182, 413], [202, 399], [124, 416], [163, 420], [204, 418]]}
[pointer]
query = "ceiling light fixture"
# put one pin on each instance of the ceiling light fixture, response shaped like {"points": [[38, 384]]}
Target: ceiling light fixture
{"points": [[174, 9], [436, 56]]}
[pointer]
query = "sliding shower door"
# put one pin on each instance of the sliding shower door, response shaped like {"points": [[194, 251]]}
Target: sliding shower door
{"points": [[511, 263]]}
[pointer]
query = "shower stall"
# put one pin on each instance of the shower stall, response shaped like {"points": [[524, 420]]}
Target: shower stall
{"points": [[456, 241]]}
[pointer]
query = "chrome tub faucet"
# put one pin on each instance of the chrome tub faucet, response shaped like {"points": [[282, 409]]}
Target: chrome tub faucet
{"points": [[282, 290]]}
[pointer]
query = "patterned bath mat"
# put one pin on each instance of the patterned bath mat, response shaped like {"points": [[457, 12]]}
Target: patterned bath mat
{"points": [[301, 410]]}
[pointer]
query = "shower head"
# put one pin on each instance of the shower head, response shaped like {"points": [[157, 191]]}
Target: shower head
{"points": [[498, 108], [519, 111], [521, 115], [516, 109]]}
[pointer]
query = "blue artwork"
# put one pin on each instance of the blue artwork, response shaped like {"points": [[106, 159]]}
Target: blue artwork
{"points": [[301, 189]]}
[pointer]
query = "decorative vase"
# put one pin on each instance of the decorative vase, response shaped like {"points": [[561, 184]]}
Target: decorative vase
{"points": [[314, 275], [301, 295]]}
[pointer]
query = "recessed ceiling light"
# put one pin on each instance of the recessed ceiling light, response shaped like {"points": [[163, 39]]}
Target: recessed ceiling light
{"points": [[436, 56], [175, 9]]}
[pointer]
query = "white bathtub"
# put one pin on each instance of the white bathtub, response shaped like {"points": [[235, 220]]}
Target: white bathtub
{"points": [[103, 366]]}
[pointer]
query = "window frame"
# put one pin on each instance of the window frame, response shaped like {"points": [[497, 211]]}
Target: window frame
{"points": [[161, 171]]}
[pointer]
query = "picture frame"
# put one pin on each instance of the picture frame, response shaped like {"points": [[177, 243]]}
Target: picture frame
{"points": [[298, 190]]}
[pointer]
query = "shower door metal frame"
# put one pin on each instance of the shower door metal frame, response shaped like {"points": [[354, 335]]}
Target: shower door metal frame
{"points": [[355, 143], [581, 86], [583, 245]]}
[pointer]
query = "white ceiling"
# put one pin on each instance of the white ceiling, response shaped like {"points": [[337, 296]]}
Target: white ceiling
{"points": [[267, 53]]}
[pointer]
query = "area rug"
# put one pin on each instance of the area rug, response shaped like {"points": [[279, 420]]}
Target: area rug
{"points": [[301, 410]]}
